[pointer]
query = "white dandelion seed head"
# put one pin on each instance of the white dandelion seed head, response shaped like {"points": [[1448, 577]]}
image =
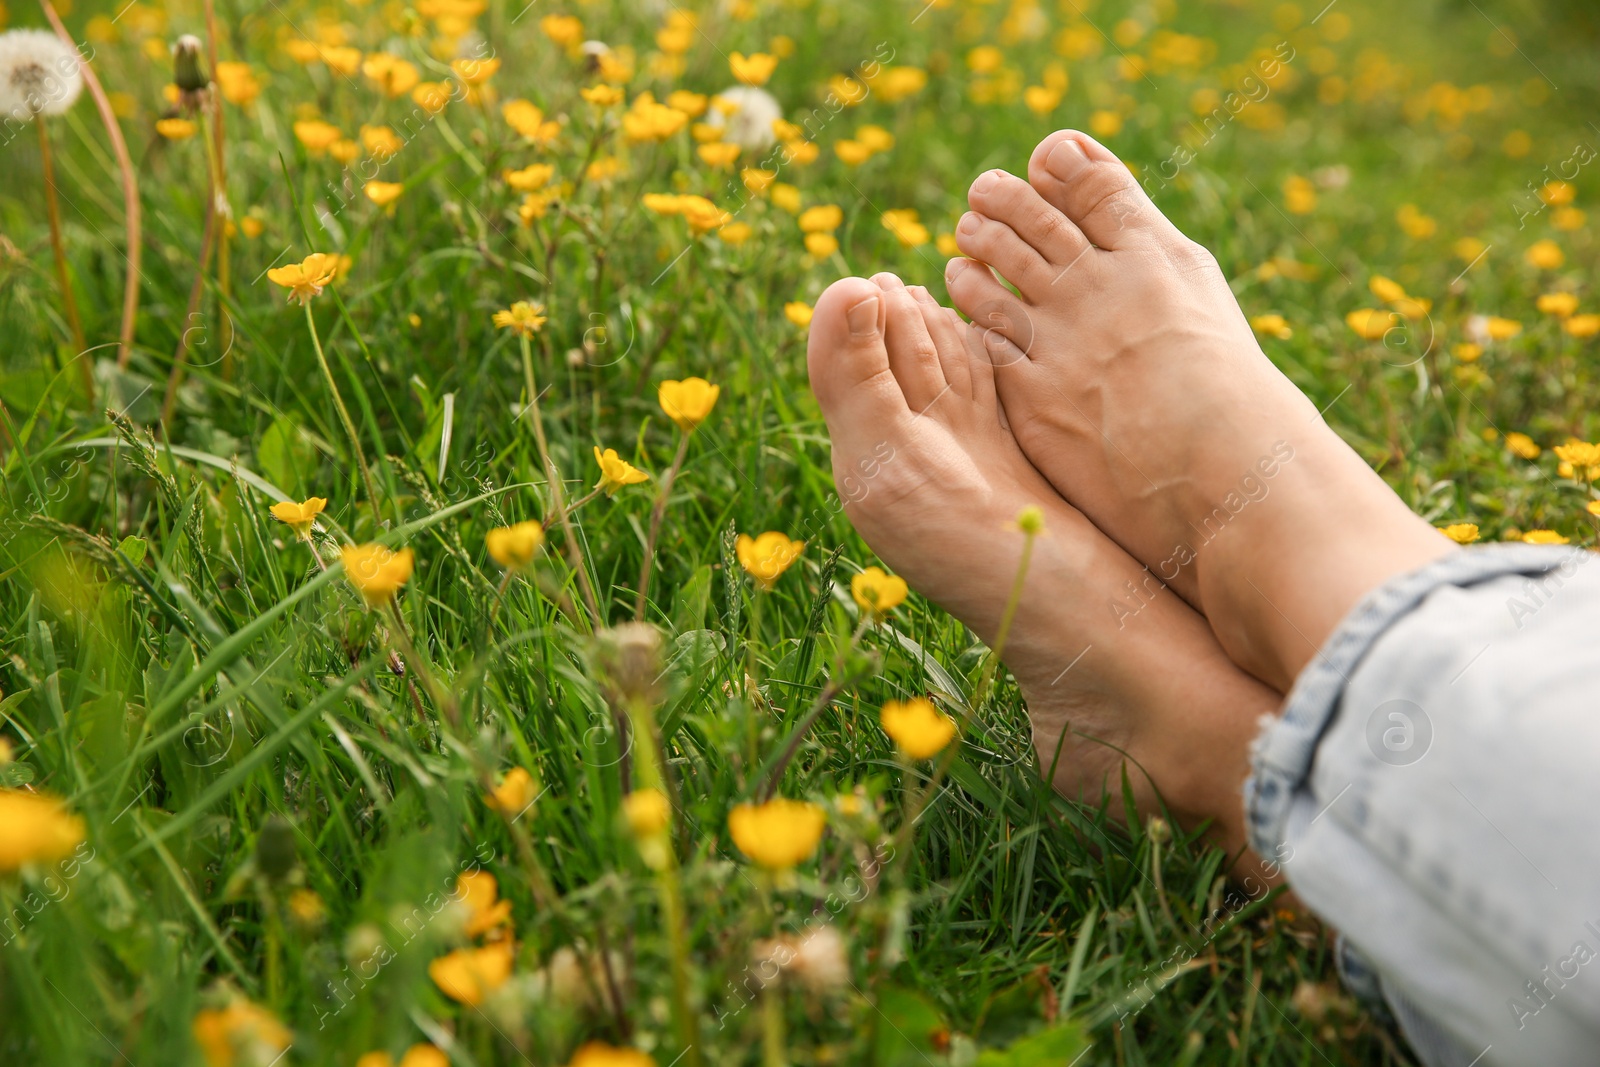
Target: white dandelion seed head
{"points": [[39, 75], [749, 125]]}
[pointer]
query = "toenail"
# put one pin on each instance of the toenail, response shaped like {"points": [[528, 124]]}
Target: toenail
{"points": [[985, 181], [1066, 159], [970, 223], [953, 269], [863, 318]]}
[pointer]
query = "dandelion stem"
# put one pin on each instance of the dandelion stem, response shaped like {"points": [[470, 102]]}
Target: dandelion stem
{"points": [[574, 553], [344, 414], [658, 513], [69, 302]]}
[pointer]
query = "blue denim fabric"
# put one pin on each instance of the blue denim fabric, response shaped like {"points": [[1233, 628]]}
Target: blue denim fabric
{"points": [[1430, 790]]}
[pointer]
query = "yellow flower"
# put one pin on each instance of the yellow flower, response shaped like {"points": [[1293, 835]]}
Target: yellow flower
{"points": [[616, 472], [1593, 508], [876, 138], [533, 206], [1416, 225], [735, 233], [1580, 454], [528, 120], [475, 71], [821, 245], [514, 793], [648, 120], [376, 572], [529, 178], [688, 402], [1545, 537], [1462, 533], [1030, 520], [1468, 248], [33, 828], [432, 96], [479, 893], [516, 546], [757, 180], [851, 153], [779, 834], [878, 593], [1370, 323], [903, 224], [823, 218], [1500, 329], [241, 1033], [345, 150], [1558, 304], [381, 142], [1272, 325], [1386, 289], [1299, 195], [343, 59], [307, 907], [647, 811], [1568, 218], [468, 975], [798, 313], [238, 83], [596, 1054], [395, 76], [1582, 325], [692, 104], [602, 95], [1546, 255], [383, 193], [305, 279], [564, 30], [316, 135], [720, 155], [420, 1055], [176, 129], [1523, 445], [299, 516], [767, 556], [918, 729], [522, 318], [753, 69]]}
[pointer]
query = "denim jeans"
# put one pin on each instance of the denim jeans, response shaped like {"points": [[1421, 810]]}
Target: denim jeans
{"points": [[1432, 791]]}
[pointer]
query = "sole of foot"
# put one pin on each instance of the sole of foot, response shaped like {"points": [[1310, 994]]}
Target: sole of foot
{"points": [[933, 480]]}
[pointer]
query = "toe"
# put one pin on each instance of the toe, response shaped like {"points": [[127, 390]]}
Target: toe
{"points": [[998, 245], [979, 296], [848, 359], [913, 356], [1094, 189], [945, 327], [1009, 199]]}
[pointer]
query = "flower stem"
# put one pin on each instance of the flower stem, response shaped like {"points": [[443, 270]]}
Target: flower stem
{"points": [[557, 496], [657, 514], [69, 302], [344, 414]]}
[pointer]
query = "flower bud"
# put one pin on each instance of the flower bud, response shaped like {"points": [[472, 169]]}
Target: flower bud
{"points": [[187, 72]]}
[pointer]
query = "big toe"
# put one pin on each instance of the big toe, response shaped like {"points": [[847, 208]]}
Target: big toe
{"points": [[847, 357], [1095, 189]]}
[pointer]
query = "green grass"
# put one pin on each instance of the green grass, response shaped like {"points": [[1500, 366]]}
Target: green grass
{"points": [[183, 674]]}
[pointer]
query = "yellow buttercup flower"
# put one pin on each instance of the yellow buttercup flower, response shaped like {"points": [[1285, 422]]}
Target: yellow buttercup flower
{"points": [[238, 83], [381, 142], [823, 218], [176, 129], [306, 279], [240, 1033], [516, 546], [720, 155], [522, 318], [1582, 456], [1545, 537], [530, 178], [1272, 325], [316, 135], [779, 834], [35, 828], [564, 30], [1582, 325], [1500, 329], [878, 593], [597, 1054], [688, 402], [420, 1055], [767, 556], [753, 69], [475, 71], [1386, 289], [647, 812], [299, 517], [514, 793], [1558, 304], [432, 96], [479, 894], [1523, 445], [917, 728], [383, 193], [616, 472], [1371, 323], [377, 573], [602, 95], [798, 312], [395, 76], [468, 975], [1462, 533], [1545, 255], [903, 223], [821, 245]]}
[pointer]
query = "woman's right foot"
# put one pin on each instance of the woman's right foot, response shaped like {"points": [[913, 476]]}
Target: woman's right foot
{"points": [[933, 481], [1135, 385]]}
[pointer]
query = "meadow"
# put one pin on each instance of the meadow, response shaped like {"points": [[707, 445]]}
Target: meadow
{"points": [[432, 630]]}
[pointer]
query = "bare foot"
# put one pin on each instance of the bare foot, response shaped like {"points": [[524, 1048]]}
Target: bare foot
{"points": [[1134, 384], [932, 479]]}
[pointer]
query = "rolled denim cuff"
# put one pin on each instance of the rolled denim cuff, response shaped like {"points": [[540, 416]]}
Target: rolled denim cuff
{"points": [[1284, 752]]}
